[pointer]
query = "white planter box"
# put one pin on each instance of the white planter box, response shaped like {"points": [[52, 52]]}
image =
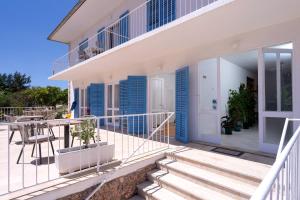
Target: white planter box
{"points": [[70, 159]]}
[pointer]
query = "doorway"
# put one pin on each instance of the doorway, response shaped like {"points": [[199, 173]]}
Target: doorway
{"points": [[239, 96], [112, 102]]}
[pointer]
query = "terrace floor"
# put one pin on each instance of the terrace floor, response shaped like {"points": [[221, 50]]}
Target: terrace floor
{"points": [[34, 173]]}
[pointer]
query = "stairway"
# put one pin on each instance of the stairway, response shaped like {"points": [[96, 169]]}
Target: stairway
{"points": [[195, 174]]}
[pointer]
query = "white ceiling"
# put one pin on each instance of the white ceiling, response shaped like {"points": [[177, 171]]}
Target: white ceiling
{"points": [[90, 12], [246, 60]]}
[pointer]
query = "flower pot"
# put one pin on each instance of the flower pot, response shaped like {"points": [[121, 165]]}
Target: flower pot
{"points": [[245, 125], [228, 130], [238, 126], [76, 158]]}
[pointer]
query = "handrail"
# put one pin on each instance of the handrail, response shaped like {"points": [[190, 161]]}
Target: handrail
{"points": [[107, 179], [115, 131], [265, 188]]}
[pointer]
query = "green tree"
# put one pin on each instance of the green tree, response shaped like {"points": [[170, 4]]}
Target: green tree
{"points": [[14, 82]]}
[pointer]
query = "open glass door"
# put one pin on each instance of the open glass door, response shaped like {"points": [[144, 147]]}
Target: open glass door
{"points": [[277, 95], [113, 103], [208, 73]]}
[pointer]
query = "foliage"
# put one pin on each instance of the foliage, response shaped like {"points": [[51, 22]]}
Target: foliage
{"points": [[15, 91], [87, 131], [14, 82], [241, 105]]}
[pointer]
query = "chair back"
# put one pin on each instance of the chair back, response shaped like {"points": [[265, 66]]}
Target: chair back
{"points": [[24, 131]]}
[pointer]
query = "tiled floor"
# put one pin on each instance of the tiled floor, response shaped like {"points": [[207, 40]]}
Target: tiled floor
{"points": [[245, 139], [35, 173]]}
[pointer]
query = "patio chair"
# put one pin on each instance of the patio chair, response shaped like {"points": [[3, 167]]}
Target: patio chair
{"points": [[13, 128], [35, 139], [50, 126]]}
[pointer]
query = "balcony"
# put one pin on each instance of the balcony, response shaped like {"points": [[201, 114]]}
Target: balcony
{"points": [[145, 18]]}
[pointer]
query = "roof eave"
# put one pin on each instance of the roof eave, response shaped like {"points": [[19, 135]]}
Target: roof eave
{"points": [[65, 19]]}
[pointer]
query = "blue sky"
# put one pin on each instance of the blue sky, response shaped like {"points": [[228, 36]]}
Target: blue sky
{"points": [[25, 26]]}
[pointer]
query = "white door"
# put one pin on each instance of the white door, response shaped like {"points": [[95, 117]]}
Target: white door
{"points": [[209, 101], [157, 95]]}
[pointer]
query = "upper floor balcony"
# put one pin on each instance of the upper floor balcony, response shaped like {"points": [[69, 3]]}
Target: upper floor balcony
{"points": [[148, 16]]}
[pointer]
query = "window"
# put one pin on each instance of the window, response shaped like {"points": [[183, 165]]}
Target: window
{"points": [[124, 26], [278, 79], [160, 12]]}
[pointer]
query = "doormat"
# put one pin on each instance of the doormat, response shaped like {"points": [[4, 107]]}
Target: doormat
{"points": [[227, 151]]}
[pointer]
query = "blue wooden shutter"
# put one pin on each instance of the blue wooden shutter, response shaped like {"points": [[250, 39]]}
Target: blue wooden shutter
{"points": [[97, 100], [76, 99], [101, 39], [88, 100], [137, 103], [167, 11], [182, 104], [160, 12], [123, 97], [124, 27]]}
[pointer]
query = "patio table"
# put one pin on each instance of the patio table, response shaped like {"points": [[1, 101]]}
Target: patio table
{"points": [[66, 125]]}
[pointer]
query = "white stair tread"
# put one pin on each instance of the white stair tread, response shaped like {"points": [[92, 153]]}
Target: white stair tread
{"points": [[185, 187], [155, 191], [206, 176], [244, 167]]}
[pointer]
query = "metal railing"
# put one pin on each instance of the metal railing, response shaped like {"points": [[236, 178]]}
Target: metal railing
{"points": [[144, 18], [18, 111], [49, 149], [283, 180]]}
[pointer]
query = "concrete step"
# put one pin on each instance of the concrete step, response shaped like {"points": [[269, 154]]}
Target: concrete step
{"points": [[249, 171], [215, 181], [152, 191], [186, 188], [136, 197]]}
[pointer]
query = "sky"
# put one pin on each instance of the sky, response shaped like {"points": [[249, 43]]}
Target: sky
{"points": [[25, 26]]}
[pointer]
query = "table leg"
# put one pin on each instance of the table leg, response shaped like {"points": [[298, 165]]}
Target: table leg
{"points": [[66, 136]]}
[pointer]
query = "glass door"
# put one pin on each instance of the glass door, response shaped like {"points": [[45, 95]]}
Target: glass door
{"points": [[113, 102], [83, 108], [277, 95]]}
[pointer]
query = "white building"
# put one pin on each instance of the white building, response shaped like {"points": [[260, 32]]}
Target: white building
{"points": [[138, 56]]}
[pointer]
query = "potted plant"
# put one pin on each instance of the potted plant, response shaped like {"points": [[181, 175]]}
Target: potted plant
{"points": [[227, 125], [88, 155]]}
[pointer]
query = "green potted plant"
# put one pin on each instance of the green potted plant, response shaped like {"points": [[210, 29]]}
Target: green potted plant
{"points": [[87, 131], [227, 125]]}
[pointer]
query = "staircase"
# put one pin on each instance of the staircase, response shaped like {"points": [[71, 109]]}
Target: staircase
{"points": [[195, 174]]}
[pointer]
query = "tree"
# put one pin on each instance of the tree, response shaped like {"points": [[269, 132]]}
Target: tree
{"points": [[14, 82]]}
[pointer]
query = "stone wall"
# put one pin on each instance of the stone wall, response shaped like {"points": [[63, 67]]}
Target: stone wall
{"points": [[121, 188]]}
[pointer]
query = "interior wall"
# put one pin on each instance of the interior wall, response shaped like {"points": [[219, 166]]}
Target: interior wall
{"points": [[232, 76]]}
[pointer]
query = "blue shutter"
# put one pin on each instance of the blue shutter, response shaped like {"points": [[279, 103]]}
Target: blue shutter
{"points": [[182, 104], [88, 100], [137, 103], [160, 12], [101, 39], [76, 99], [97, 100], [124, 27], [123, 97]]}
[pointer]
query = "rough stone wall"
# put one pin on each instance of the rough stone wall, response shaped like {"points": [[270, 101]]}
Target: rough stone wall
{"points": [[121, 188]]}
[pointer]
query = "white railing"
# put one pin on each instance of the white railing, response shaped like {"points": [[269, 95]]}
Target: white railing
{"points": [[146, 17], [49, 149], [283, 180], [19, 111]]}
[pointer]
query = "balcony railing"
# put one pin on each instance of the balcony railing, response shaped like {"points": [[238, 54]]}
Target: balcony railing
{"points": [[45, 150], [146, 17]]}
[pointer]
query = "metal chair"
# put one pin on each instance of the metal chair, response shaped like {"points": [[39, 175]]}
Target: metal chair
{"points": [[13, 128], [36, 139]]}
